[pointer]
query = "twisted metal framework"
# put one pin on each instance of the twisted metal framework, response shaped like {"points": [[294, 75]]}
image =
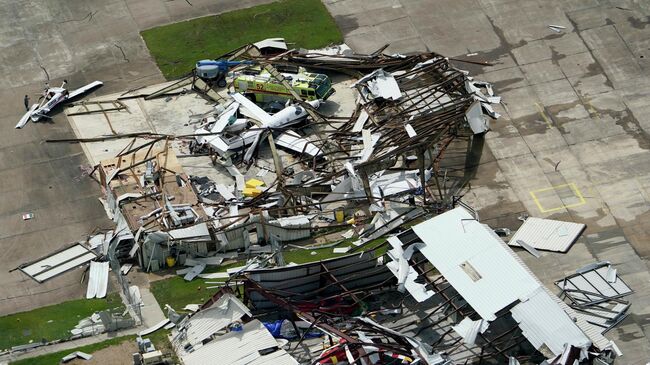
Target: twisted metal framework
{"points": [[433, 103]]}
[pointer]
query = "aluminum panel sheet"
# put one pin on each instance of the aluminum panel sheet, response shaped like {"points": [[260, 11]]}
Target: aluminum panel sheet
{"points": [[543, 322], [548, 234], [209, 321], [58, 263], [474, 262], [240, 347], [55, 260], [593, 286]]}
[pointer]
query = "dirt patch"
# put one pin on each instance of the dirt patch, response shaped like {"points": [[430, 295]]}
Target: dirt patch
{"points": [[116, 354]]}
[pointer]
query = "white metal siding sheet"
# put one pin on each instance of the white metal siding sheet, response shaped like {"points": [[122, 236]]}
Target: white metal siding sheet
{"points": [[208, 321], [65, 267], [240, 347], [58, 263], [595, 281], [542, 321], [197, 230], [547, 234], [453, 238], [97, 280], [55, 260], [594, 333]]}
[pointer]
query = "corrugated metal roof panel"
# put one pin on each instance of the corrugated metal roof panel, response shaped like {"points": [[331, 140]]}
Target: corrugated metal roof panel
{"points": [[240, 347], [197, 230], [208, 321], [58, 263], [542, 321], [490, 276], [594, 281], [457, 244], [548, 234], [594, 333]]}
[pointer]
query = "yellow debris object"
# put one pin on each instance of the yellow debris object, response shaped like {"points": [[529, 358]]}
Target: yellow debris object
{"points": [[253, 183], [171, 261], [249, 192], [339, 215], [352, 221]]}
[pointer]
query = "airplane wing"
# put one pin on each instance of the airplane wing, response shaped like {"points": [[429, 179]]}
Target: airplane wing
{"points": [[25, 117], [224, 118], [292, 140], [218, 144], [84, 89], [255, 110]]}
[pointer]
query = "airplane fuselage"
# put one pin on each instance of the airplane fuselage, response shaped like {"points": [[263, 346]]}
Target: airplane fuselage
{"points": [[53, 96], [284, 118]]}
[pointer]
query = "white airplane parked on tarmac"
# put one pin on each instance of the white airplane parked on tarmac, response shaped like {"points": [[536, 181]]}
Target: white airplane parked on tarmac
{"points": [[53, 96]]}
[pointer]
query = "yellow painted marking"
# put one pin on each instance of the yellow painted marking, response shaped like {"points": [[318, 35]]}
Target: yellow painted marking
{"points": [[593, 110], [541, 112], [573, 188]]}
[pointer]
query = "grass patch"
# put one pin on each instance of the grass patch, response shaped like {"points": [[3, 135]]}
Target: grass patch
{"points": [[177, 47], [55, 357], [301, 256], [160, 340], [52, 322], [178, 293]]}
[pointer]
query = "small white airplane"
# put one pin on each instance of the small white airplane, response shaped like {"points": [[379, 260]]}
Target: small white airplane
{"points": [[53, 96], [234, 139]]}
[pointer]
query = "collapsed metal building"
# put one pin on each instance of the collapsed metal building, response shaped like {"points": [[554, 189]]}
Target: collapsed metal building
{"points": [[413, 126], [446, 291], [390, 152]]}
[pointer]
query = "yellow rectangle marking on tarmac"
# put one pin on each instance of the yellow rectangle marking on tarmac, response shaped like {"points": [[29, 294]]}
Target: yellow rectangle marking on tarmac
{"points": [[572, 186]]}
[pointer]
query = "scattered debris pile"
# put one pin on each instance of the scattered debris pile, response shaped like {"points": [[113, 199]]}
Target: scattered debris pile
{"points": [[447, 291]]}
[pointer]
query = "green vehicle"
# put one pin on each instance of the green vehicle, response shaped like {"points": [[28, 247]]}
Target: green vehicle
{"points": [[265, 88]]}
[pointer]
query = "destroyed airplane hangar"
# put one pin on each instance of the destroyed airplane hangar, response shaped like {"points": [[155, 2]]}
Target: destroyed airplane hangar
{"points": [[198, 174], [296, 172]]}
